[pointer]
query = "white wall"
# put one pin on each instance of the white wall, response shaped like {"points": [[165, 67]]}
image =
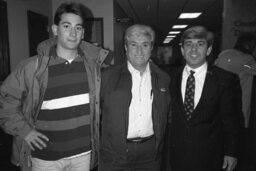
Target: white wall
{"points": [[99, 8], [18, 27]]}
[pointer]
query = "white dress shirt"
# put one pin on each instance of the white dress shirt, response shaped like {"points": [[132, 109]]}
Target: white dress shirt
{"points": [[140, 110], [200, 74]]}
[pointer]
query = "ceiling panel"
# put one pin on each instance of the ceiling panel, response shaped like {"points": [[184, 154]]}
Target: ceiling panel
{"points": [[163, 14]]}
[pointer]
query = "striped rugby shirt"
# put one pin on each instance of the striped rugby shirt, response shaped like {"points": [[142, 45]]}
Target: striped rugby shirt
{"points": [[64, 116]]}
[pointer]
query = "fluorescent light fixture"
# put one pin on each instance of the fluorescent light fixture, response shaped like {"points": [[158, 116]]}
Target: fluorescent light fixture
{"points": [[171, 36], [166, 41], [189, 15], [168, 38], [179, 26], [174, 32]]}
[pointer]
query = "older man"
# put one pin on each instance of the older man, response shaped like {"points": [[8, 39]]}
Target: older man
{"points": [[135, 104]]}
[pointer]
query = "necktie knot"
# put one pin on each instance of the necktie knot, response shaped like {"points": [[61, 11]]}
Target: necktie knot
{"points": [[192, 72]]}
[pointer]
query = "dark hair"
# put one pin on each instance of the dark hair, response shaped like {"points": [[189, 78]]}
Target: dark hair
{"points": [[197, 32], [246, 43], [74, 8]]}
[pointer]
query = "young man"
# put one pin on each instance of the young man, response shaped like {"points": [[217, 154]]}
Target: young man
{"points": [[135, 106], [206, 107], [50, 103]]}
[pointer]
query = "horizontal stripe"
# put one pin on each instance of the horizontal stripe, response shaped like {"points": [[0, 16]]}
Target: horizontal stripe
{"points": [[63, 124], [69, 145], [65, 102], [66, 79], [62, 68], [79, 155], [64, 113], [66, 90], [51, 156], [60, 136]]}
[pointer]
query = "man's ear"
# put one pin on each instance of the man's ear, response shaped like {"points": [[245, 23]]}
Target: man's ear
{"points": [[54, 30], [152, 47], [83, 34], [182, 50], [209, 50]]}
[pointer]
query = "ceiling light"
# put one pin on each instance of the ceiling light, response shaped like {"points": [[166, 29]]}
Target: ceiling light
{"points": [[174, 32], [179, 26], [189, 15], [168, 39], [171, 36]]}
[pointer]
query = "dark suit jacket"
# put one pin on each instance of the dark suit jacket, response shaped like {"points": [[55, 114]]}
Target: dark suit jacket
{"points": [[201, 143], [115, 101]]}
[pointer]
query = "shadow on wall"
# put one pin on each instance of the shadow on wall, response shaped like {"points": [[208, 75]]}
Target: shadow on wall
{"points": [[87, 13]]}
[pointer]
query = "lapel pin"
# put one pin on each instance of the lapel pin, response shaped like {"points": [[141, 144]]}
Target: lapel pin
{"points": [[162, 89]]}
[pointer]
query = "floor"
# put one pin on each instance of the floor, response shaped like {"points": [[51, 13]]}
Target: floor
{"points": [[5, 153], [244, 163]]}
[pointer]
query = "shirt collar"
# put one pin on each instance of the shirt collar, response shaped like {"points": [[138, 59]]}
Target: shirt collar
{"points": [[134, 71], [201, 69]]}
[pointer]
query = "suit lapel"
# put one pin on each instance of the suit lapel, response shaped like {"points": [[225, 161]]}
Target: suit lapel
{"points": [[209, 90], [177, 90]]}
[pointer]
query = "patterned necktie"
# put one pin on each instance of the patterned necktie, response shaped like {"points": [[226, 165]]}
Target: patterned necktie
{"points": [[189, 95]]}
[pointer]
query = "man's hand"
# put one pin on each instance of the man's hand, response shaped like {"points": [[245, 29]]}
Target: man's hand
{"points": [[36, 139], [229, 163]]}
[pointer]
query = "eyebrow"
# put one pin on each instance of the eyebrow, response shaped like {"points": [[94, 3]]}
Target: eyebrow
{"points": [[66, 22], [199, 40]]}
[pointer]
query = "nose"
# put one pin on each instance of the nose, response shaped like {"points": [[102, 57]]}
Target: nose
{"points": [[194, 46], [73, 32], [139, 50]]}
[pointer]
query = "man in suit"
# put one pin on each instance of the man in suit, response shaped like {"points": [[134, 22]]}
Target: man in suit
{"points": [[135, 104], [206, 107]]}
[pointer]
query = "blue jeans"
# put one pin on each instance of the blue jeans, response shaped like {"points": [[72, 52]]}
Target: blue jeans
{"points": [[80, 163]]}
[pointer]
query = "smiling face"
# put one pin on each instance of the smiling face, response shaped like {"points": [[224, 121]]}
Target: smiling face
{"points": [[69, 31], [138, 48], [195, 52]]}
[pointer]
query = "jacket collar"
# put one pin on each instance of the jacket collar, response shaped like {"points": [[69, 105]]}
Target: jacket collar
{"points": [[90, 52], [53, 52], [152, 68]]}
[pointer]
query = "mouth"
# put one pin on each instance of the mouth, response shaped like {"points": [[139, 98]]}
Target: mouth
{"points": [[194, 55], [72, 40]]}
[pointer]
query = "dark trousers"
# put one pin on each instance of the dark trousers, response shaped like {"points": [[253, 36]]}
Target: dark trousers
{"points": [[140, 157]]}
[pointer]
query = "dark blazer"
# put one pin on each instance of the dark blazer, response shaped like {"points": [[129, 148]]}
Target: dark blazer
{"points": [[115, 101], [201, 143]]}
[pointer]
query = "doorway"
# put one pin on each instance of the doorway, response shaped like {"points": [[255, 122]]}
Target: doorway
{"points": [[38, 30], [4, 42]]}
